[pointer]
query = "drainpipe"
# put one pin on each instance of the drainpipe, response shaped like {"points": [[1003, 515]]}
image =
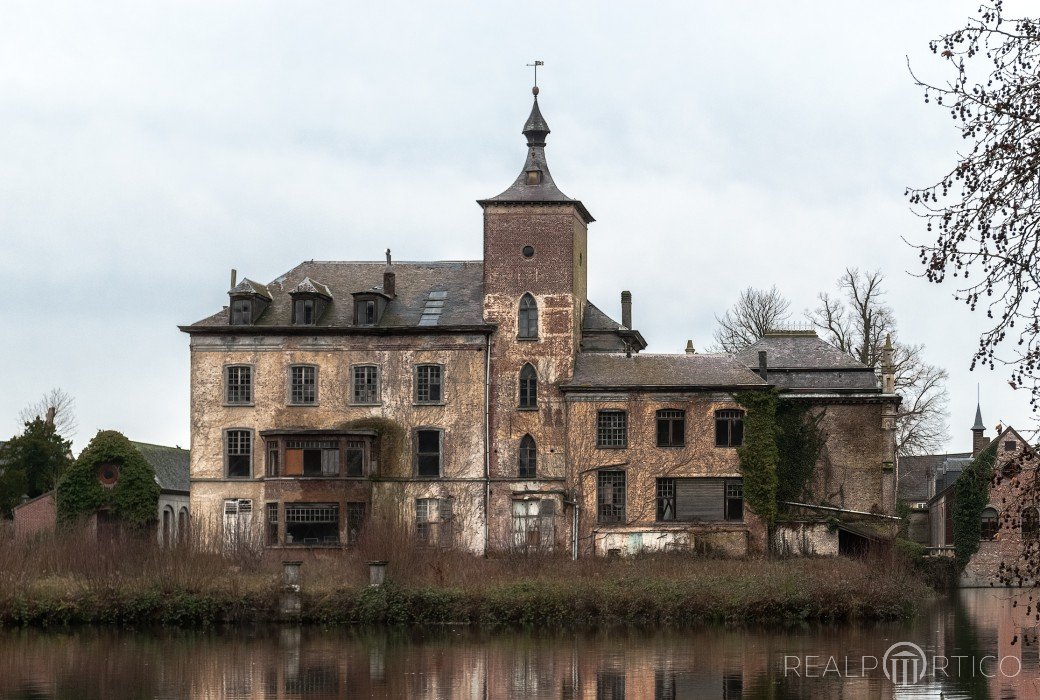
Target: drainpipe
{"points": [[574, 532], [487, 441]]}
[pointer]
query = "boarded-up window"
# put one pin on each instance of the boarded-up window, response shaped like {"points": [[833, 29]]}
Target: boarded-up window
{"points": [[700, 499], [312, 457]]}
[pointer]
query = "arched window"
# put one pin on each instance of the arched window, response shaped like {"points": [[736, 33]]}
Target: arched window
{"points": [[528, 387], [528, 458], [182, 525], [1030, 523], [990, 523], [528, 317], [167, 526]]}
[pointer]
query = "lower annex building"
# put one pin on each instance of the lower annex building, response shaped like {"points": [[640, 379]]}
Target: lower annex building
{"points": [[490, 405]]}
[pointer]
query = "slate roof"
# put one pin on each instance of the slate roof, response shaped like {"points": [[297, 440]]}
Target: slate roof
{"points": [[170, 465], [803, 360], [596, 320], [607, 370], [916, 474], [463, 304], [248, 286]]}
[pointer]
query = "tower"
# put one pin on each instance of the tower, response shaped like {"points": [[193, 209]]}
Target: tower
{"points": [[978, 432]]}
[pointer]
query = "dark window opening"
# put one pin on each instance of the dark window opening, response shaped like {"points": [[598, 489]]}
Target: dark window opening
{"points": [[239, 453], [241, 312], [671, 428], [729, 428], [365, 312], [528, 251], [355, 522], [528, 387], [666, 499], [305, 312], [312, 523], [528, 458], [428, 384], [355, 458], [273, 458], [1010, 445], [734, 500], [428, 452], [366, 385], [239, 383], [303, 385], [610, 498], [1030, 524], [528, 320], [611, 429], [272, 523], [990, 523], [311, 458]]}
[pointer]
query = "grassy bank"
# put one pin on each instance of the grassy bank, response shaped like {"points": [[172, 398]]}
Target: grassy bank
{"points": [[72, 581]]}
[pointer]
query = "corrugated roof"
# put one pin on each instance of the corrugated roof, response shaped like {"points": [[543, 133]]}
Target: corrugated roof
{"points": [[170, 465], [593, 370]]}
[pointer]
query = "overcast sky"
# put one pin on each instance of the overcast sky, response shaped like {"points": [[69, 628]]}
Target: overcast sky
{"points": [[147, 148]]}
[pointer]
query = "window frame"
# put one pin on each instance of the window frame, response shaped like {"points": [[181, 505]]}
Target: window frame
{"points": [[730, 421], [989, 532], [671, 422], [416, 383], [289, 398], [301, 506], [527, 311], [233, 313], [616, 518], [226, 444], [1031, 533], [369, 303], [354, 384], [227, 384], [416, 454], [603, 444], [316, 309], [527, 388], [527, 454]]}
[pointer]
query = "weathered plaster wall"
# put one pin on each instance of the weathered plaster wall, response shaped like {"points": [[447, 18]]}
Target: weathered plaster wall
{"points": [[805, 539], [851, 471]]}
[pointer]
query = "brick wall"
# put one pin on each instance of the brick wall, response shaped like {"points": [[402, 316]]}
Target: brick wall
{"points": [[35, 517]]}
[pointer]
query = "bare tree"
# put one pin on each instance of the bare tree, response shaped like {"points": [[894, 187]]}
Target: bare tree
{"points": [[64, 406], [756, 312], [984, 213], [857, 320]]}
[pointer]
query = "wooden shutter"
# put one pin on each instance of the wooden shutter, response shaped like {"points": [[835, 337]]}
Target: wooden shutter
{"points": [[294, 462], [700, 499]]}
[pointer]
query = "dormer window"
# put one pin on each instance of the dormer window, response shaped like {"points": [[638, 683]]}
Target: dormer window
{"points": [[249, 300], [305, 312], [365, 312], [310, 299], [534, 177], [242, 312]]}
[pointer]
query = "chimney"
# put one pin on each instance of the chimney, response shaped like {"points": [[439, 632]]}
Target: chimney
{"points": [[978, 432], [763, 366], [689, 348], [389, 277], [51, 412], [234, 278], [626, 310]]}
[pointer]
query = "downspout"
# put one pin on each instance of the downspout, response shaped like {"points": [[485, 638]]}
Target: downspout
{"points": [[487, 440], [574, 532]]}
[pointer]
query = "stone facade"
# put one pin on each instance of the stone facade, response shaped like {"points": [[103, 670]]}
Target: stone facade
{"points": [[511, 452]]}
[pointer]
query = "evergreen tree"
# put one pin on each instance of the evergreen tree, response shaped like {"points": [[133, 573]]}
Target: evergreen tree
{"points": [[31, 463]]}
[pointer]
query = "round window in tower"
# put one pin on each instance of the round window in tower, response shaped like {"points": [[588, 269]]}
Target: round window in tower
{"points": [[528, 251], [108, 474]]}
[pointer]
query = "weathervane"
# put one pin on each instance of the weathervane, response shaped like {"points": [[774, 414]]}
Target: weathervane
{"points": [[535, 66]]}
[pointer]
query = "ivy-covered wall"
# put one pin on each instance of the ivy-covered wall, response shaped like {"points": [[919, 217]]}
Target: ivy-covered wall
{"points": [[971, 493], [134, 497]]}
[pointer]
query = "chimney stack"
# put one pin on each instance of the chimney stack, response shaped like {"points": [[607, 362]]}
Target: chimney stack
{"points": [[689, 348], [763, 366], [626, 309], [389, 277], [234, 277], [51, 413]]}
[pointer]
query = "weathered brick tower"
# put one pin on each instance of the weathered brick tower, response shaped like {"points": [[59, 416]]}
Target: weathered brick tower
{"points": [[535, 282]]}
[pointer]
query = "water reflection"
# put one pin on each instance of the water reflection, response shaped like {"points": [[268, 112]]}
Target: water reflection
{"points": [[705, 663]]}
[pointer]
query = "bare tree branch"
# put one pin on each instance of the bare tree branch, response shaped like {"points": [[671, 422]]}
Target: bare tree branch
{"points": [[756, 312], [64, 405]]}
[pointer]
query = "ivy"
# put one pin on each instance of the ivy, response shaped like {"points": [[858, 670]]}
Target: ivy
{"points": [[759, 454], [971, 494], [799, 440], [134, 498]]}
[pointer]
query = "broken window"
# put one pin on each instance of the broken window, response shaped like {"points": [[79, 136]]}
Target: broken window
{"points": [[671, 428], [366, 384], [239, 457], [729, 428], [305, 311], [666, 499], [238, 381], [303, 385], [534, 524], [312, 523], [696, 499], [241, 312], [428, 384], [611, 429], [528, 320], [611, 495], [990, 523], [528, 458], [355, 521], [428, 452], [238, 522], [433, 521], [365, 312], [528, 387], [312, 457], [272, 524]]}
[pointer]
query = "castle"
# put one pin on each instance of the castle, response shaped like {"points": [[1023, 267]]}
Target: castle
{"points": [[491, 405]]}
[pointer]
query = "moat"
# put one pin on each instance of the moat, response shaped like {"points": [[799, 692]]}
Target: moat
{"points": [[985, 634]]}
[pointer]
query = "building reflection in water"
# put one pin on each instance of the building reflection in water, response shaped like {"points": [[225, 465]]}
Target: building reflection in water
{"points": [[706, 663]]}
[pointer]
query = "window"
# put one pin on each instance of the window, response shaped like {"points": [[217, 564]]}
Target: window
{"points": [[366, 384], [312, 523], [238, 445], [666, 499], [698, 499], [273, 459], [1030, 523], [729, 428], [528, 458], [303, 387], [355, 521], [528, 387], [355, 458], [310, 457], [428, 384], [238, 522], [365, 312], [238, 382], [428, 452], [433, 521], [272, 524], [305, 312], [528, 327], [990, 523], [533, 524], [241, 312], [611, 429], [671, 428], [610, 496], [1010, 445]]}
